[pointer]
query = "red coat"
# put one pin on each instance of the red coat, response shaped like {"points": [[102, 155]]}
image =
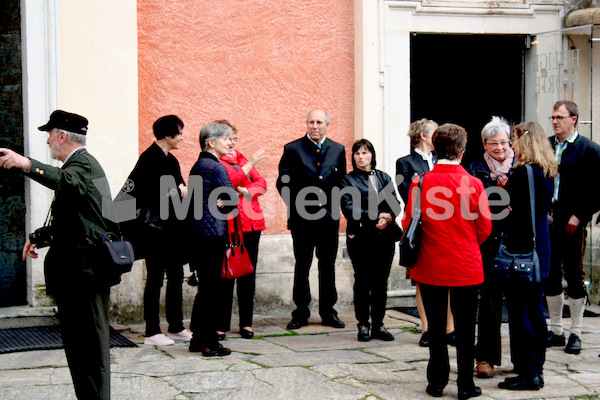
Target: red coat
{"points": [[449, 254], [250, 212]]}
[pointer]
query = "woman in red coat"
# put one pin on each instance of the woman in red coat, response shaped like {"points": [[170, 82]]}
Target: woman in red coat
{"points": [[249, 184], [455, 220]]}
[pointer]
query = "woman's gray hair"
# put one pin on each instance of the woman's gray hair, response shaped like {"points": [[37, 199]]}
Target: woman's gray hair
{"points": [[75, 137], [214, 131], [495, 126]]}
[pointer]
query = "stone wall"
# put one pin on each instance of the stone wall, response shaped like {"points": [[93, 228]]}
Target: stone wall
{"points": [[12, 188]]}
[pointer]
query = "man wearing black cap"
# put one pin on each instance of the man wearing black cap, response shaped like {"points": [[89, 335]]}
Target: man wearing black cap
{"points": [[72, 277]]}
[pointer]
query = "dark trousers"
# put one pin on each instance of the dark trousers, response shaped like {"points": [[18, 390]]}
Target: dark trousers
{"points": [[323, 238], [158, 262], [527, 324], [371, 257], [208, 261], [489, 347], [463, 303], [245, 290], [85, 331], [567, 257]]}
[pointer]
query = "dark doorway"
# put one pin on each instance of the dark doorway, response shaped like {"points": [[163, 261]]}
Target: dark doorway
{"points": [[13, 289], [465, 80]]}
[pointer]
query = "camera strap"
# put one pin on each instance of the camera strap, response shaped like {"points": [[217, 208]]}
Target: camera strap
{"points": [[47, 222]]}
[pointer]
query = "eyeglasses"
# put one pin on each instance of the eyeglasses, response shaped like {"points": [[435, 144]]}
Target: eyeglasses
{"points": [[494, 144], [559, 118]]}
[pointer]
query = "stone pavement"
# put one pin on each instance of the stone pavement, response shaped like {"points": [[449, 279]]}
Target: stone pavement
{"points": [[315, 362]]}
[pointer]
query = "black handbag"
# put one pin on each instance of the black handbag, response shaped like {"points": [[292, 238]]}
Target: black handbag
{"points": [[521, 266], [410, 243]]}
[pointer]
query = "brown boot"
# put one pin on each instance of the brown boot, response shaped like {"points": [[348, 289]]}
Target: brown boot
{"points": [[484, 370]]}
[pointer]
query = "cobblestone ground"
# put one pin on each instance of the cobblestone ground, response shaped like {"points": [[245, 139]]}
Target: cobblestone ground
{"points": [[314, 362]]}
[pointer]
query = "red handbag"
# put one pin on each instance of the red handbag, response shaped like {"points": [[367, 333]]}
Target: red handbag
{"points": [[236, 262]]}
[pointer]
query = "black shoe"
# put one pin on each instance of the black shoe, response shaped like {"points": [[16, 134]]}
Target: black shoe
{"points": [[208, 352], [220, 336], [382, 334], [435, 392], [297, 323], [363, 333], [333, 321], [219, 351], [555, 340], [573, 345], [424, 341], [521, 383], [467, 394], [541, 376], [246, 334], [451, 340]]}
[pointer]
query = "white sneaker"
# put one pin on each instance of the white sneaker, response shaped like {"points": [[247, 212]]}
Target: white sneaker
{"points": [[185, 335], [158, 340]]}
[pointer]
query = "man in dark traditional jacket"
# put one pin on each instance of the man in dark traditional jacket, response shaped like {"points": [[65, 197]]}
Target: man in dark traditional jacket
{"points": [[575, 200], [315, 164]]}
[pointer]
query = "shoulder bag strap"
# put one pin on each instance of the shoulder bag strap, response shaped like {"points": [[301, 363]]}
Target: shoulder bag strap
{"points": [[532, 201], [417, 206]]}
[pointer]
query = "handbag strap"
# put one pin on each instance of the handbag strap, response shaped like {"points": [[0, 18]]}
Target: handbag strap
{"points": [[238, 233], [531, 204], [417, 204]]}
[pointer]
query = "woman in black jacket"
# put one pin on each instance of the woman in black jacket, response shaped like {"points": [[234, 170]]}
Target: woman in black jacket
{"points": [[420, 160], [370, 205], [494, 168], [526, 299], [209, 235]]}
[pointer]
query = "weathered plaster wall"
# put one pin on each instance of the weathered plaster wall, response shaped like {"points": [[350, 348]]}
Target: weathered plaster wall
{"points": [[261, 64]]}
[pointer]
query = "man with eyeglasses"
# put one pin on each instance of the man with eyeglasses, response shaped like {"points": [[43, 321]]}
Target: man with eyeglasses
{"points": [[575, 200]]}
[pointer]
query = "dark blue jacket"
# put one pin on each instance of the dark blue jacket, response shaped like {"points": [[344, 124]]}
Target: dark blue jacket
{"points": [[214, 176]]}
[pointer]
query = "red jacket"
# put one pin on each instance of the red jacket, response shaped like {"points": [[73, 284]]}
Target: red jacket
{"points": [[250, 212], [449, 253]]}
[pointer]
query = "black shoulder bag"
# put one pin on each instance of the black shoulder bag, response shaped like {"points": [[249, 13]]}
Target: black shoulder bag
{"points": [[410, 243], [521, 266]]}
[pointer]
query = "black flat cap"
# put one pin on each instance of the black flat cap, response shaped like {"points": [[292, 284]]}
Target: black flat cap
{"points": [[68, 121]]}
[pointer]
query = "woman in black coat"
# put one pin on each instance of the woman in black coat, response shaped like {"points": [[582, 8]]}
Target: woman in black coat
{"points": [[494, 169], [370, 205], [526, 299], [209, 234]]}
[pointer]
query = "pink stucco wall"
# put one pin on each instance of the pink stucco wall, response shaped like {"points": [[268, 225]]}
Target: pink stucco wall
{"points": [[262, 64]]}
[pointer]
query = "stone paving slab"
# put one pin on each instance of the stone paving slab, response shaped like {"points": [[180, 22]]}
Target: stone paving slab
{"points": [[141, 387], [53, 392], [33, 359], [284, 383], [168, 368], [307, 359], [367, 374], [255, 347]]}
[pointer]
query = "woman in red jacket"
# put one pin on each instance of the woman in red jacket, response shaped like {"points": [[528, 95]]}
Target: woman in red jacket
{"points": [[455, 220], [249, 184]]}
